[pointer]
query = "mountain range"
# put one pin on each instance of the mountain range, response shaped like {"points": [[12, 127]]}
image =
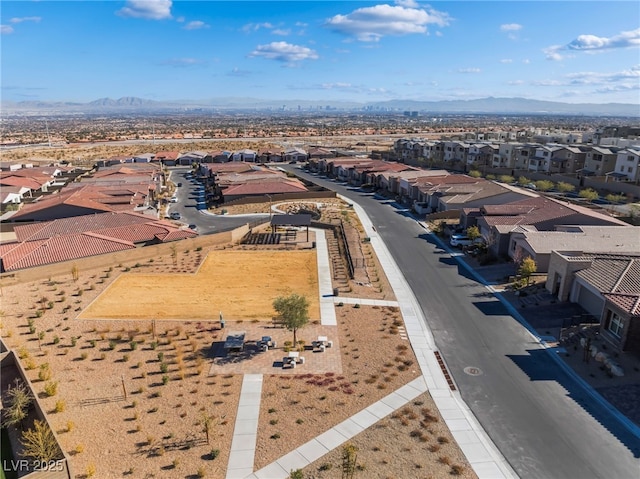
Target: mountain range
{"points": [[491, 105]]}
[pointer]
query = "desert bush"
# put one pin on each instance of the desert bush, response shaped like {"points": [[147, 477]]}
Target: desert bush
{"points": [[51, 388]]}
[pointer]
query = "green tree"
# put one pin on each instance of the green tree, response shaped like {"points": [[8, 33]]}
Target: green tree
{"points": [[564, 187], [544, 185], [18, 400], [588, 194], [475, 174], [523, 180], [39, 443], [506, 178], [294, 311], [527, 268]]}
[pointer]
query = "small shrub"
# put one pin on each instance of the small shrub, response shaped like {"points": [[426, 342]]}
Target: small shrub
{"points": [[79, 449], [51, 388], [456, 470], [275, 436], [70, 426], [165, 379], [91, 469], [201, 472], [214, 453], [60, 405]]}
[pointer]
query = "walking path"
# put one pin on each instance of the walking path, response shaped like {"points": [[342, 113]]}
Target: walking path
{"points": [[364, 301], [327, 308], [245, 432]]}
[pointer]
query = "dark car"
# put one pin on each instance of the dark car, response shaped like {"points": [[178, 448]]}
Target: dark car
{"points": [[179, 185], [193, 227]]}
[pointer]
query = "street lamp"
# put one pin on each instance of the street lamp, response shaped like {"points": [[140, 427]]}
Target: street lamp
{"points": [[270, 210]]}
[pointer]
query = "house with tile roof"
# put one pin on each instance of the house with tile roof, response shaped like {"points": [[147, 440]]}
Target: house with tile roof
{"points": [[167, 158], [497, 221], [71, 238], [605, 285], [269, 156], [588, 239], [79, 200]]}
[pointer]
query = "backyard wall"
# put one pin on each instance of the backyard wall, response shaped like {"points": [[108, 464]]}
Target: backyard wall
{"points": [[129, 257]]}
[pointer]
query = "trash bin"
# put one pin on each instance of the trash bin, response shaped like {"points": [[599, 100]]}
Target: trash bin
{"points": [[222, 324], [336, 292]]}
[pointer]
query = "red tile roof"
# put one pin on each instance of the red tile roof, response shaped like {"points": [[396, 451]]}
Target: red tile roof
{"points": [[629, 303], [81, 236]]}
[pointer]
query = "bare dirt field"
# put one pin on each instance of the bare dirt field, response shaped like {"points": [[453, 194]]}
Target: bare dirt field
{"points": [[241, 284]]}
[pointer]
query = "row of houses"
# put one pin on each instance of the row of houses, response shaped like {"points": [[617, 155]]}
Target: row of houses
{"points": [[614, 162], [124, 187], [19, 182], [176, 158]]}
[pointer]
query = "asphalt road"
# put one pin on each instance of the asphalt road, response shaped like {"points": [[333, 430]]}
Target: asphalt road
{"points": [[192, 208], [540, 417]]}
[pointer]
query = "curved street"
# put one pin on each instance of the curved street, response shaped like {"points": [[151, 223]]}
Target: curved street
{"points": [[542, 419]]}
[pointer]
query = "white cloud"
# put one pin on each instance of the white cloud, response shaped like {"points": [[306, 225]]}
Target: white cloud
{"points": [[281, 32], [510, 27], [547, 83], [469, 70], [149, 9], [370, 24], [236, 72], [25, 19], [254, 27], [336, 86], [593, 43], [284, 52], [407, 3], [506, 60], [6, 29], [516, 82], [195, 25], [526, 61]]}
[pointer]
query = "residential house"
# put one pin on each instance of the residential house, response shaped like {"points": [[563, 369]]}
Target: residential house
{"points": [[194, 157], [627, 165], [67, 239], [144, 158], [295, 154], [167, 158], [455, 152], [218, 156], [605, 285], [269, 156], [6, 166], [523, 154], [567, 159], [481, 155], [498, 221], [599, 161], [505, 157], [320, 152], [245, 155], [12, 194], [588, 239]]}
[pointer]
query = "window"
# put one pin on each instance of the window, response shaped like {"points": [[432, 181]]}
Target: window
{"points": [[630, 158], [615, 324]]}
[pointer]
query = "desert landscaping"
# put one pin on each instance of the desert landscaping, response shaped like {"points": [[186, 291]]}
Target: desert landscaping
{"points": [[130, 394]]}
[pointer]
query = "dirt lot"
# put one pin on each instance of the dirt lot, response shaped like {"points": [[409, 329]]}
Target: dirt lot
{"points": [[241, 284], [175, 385]]}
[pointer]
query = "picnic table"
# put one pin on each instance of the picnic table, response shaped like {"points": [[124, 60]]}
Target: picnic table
{"points": [[292, 359], [235, 341], [321, 343], [266, 343]]}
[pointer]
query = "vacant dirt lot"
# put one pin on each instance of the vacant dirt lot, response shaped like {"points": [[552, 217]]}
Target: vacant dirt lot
{"points": [[241, 284]]}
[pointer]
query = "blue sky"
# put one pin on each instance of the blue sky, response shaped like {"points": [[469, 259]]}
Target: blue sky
{"points": [[576, 52]]}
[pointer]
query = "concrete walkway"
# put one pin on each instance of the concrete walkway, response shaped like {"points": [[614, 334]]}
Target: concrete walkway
{"points": [[245, 432], [364, 301], [338, 435], [327, 308]]}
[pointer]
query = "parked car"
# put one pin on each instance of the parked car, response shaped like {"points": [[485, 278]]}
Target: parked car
{"points": [[175, 215], [174, 199], [179, 185], [460, 240], [193, 227]]}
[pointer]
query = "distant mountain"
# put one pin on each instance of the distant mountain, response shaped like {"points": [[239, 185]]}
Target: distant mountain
{"points": [[519, 106]]}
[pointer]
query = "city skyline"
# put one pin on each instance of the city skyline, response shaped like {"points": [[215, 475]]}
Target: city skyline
{"points": [[164, 50]]}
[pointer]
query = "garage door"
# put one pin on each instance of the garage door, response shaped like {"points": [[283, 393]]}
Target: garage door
{"points": [[590, 301]]}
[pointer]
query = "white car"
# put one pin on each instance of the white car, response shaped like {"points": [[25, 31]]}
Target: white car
{"points": [[460, 240], [174, 199]]}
